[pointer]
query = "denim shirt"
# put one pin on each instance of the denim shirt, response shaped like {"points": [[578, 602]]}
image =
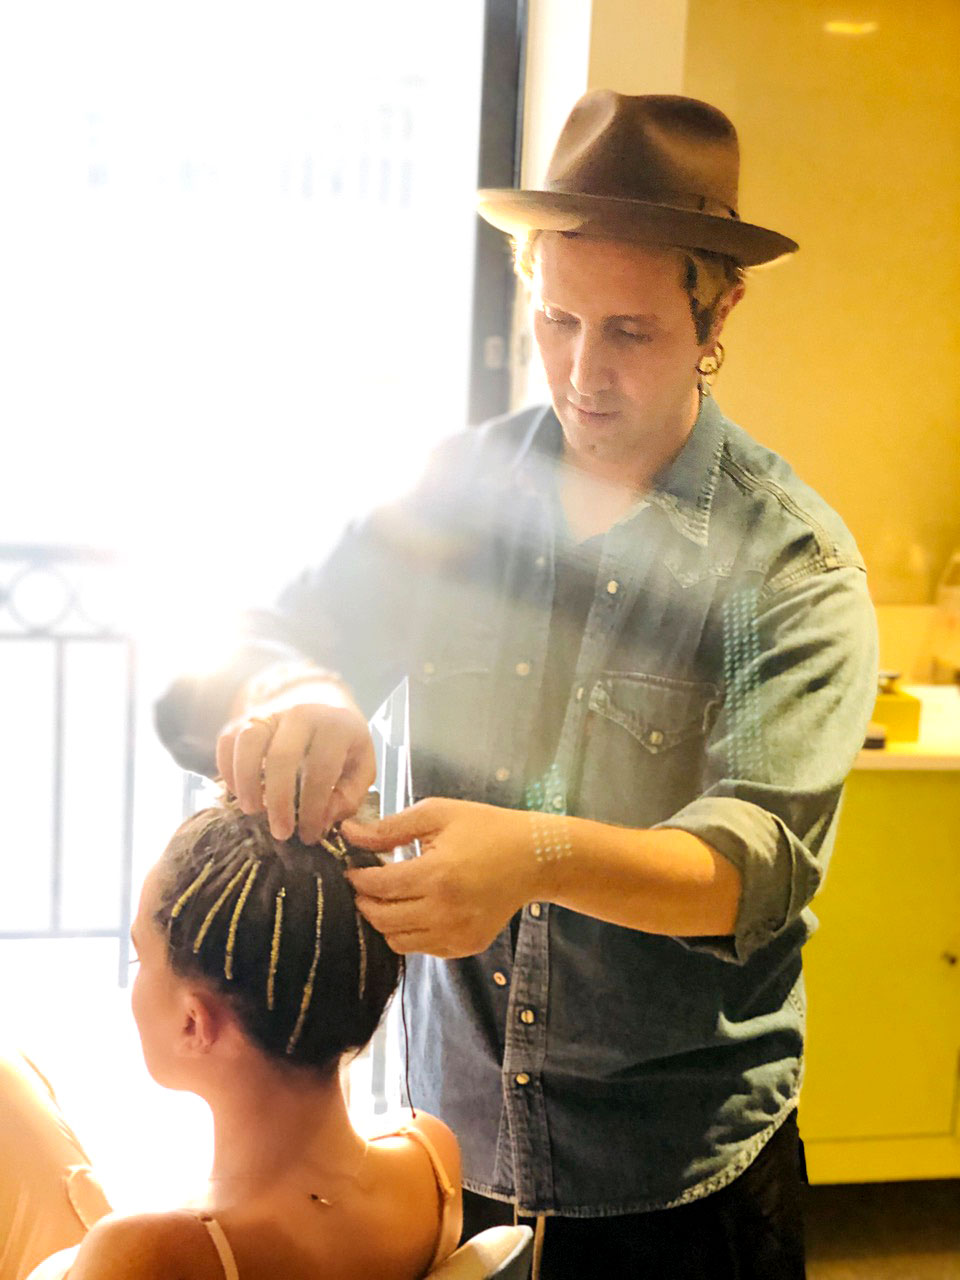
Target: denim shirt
{"points": [[724, 681]]}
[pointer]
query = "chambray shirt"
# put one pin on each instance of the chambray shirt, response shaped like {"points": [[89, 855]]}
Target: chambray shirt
{"points": [[723, 684]]}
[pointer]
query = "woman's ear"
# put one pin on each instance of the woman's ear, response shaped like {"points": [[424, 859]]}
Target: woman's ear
{"points": [[202, 1023]]}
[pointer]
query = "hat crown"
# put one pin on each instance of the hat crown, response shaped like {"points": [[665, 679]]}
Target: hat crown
{"points": [[662, 148]]}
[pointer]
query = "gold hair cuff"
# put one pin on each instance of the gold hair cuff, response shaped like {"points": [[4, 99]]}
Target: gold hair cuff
{"points": [[211, 914], [275, 945], [235, 920], [308, 985], [362, 942], [191, 889]]}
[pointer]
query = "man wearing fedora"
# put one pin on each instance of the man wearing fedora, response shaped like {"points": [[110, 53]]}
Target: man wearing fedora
{"points": [[641, 658]]}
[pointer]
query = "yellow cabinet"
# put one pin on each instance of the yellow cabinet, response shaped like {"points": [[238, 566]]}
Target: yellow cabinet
{"points": [[881, 1094]]}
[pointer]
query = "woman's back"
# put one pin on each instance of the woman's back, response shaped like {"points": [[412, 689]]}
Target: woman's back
{"points": [[399, 1215]]}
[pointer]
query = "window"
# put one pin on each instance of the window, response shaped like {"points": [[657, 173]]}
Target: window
{"points": [[241, 277]]}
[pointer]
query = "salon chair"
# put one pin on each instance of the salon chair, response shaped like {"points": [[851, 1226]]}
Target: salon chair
{"points": [[499, 1253]]}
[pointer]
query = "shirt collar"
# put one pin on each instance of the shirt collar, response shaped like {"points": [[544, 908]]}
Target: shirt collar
{"points": [[683, 490]]}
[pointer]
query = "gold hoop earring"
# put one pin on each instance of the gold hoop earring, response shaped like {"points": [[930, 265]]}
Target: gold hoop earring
{"points": [[709, 366]]}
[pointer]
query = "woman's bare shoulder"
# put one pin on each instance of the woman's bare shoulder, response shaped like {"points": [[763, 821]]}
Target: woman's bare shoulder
{"points": [[146, 1246], [442, 1138]]}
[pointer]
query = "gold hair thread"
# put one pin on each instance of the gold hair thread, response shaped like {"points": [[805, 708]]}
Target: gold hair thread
{"points": [[339, 850], [235, 920], [362, 941], [275, 945], [308, 985], [191, 889], [209, 918]]}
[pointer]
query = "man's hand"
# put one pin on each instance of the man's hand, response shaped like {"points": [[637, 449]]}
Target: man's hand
{"points": [[477, 869], [259, 756]]}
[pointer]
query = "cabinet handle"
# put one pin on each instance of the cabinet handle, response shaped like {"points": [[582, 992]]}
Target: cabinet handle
{"points": [[950, 957]]}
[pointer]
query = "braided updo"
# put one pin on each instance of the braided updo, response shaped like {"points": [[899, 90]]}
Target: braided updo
{"points": [[273, 927]]}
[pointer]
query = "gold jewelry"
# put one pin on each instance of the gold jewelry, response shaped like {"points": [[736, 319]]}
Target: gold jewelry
{"points": [[318, 1199], [308, 985], [339, 850], [275, 945], [270, 722], [362, 981], [235, 920], [551, 836], [709, 366], [191, 889], [209, 918]]}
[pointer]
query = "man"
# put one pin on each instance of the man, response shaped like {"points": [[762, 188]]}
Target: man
{"points": [[641, 659]]}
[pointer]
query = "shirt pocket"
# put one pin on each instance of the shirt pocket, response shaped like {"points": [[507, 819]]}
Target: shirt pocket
{"points": [[644, 746]]}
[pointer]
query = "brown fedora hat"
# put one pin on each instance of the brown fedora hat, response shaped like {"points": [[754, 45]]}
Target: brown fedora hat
{"points": [[658, 169]]}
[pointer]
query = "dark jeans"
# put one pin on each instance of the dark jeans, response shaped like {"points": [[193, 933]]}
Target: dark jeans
{"points": [[750, 1230]]}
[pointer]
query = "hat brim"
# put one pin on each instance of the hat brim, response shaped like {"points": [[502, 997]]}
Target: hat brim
{"points": [[610, 217]]}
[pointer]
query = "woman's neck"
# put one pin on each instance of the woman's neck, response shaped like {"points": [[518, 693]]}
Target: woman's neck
{"points": [[271, 1125]]}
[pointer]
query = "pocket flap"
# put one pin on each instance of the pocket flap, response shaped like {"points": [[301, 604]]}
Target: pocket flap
{"points": [[658, 711]]}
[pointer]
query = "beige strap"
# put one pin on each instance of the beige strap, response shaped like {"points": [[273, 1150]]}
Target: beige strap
{"points": [[446, 1188], [222, 1246]]}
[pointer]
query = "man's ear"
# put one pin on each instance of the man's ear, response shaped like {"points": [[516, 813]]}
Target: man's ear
{"points": [[202, 1023], [726, 306]]}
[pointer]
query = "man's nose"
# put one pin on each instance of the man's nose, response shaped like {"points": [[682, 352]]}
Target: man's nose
{"points": [[590, 371]]}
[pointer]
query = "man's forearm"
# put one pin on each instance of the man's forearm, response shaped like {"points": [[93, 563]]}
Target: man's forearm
{"points": [[663, 881]]}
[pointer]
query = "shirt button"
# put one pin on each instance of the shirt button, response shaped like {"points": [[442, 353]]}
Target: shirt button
{"points": [[502, 774], [528, 1016], [522, 668], [580, 693], [540, 561], [655, 737], [428, 668], [536, 910], [522, 1078], [557, 803], [613, 586], [500, 978]]}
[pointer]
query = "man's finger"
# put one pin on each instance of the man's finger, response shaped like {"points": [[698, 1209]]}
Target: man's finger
{"points": [[400, 828], [359, 774], [404, 915], [280, 767], [250, 746], [225, 745], [395, 881], [421, 941], [322, 766]]}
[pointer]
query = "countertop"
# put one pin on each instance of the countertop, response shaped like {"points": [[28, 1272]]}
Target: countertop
{"points": [[938, 746]]}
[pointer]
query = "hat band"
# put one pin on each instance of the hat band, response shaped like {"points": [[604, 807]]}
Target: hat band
{"points": [[668, 199]]}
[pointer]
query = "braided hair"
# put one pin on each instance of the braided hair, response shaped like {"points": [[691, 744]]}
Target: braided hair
{"points": [[273, 928]]}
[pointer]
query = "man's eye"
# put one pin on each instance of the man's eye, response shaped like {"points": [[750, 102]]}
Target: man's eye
{"points": [[555, 317], [634, 336]]}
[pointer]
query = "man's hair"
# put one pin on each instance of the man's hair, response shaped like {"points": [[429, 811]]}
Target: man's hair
{"points": [[273, 928], [706, 277]]}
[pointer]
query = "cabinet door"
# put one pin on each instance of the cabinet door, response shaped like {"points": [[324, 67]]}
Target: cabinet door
{"points": [[883, 970]]}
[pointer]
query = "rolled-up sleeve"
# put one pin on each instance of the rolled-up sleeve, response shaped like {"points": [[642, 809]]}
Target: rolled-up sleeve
{"points": [[800, 677]]}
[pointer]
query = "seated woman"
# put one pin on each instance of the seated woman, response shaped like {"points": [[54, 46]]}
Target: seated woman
{"points": [[256, 976]]}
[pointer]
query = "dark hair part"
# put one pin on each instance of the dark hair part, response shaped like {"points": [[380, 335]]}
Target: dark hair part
{"points": [[706, 278], [273, 928]]}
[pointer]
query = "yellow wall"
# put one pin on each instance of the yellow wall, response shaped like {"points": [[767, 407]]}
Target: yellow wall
{"points": [[846, 359]]}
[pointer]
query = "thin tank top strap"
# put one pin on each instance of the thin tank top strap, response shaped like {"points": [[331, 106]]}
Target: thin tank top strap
{"points": [[446, 1188], [222, 1246]]}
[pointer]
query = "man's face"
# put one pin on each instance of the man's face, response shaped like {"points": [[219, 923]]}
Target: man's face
{"points": [[619, 347]]}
